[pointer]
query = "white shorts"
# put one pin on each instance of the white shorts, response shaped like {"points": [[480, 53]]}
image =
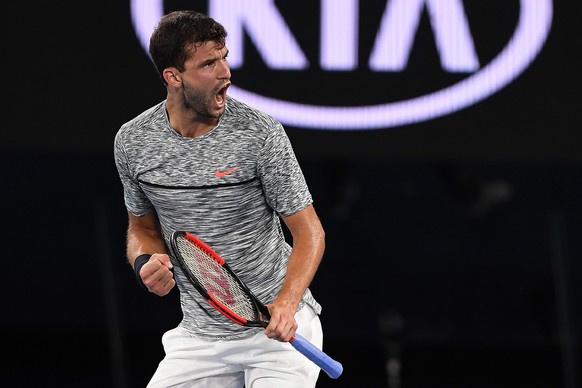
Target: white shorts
{"points": [[252, 362]]}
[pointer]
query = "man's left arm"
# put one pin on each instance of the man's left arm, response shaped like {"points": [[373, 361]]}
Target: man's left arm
{"points": [[308, 247]]}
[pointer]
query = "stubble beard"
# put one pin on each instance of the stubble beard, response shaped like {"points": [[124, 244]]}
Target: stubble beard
{"points": [[200, 102]]}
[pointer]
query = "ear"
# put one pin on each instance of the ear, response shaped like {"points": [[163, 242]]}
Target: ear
{"points": [[172, 77]]}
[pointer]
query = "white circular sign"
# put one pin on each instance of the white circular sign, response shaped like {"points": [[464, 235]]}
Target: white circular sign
{"points": [[532, 29]]}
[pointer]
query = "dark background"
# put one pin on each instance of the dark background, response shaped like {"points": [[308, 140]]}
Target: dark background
{"points": [[453, 244]]}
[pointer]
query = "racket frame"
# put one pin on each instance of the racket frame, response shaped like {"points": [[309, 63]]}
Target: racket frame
{"points": [[258, 306]]}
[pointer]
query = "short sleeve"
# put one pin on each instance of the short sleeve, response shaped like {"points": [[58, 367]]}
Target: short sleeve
{"points": [[135, 199], [283, 181]]}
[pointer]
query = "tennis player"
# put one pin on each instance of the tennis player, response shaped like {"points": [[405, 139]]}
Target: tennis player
{"points": [[204, 162]]}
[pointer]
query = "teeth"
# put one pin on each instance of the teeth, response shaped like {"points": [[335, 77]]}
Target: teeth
{"points": [[220, 97]]}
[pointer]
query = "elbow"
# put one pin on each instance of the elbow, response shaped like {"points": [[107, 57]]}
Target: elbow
{"points": [[320, 238]]}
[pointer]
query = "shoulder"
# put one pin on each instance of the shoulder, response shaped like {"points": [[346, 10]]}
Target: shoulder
{"points": [[147, 119], [246, 113]]}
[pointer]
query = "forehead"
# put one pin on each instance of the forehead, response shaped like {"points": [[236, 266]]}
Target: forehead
{"points": [[204, 50]]}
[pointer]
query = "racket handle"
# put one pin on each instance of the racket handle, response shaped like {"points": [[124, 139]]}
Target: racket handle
{"points": [[333, 368]]}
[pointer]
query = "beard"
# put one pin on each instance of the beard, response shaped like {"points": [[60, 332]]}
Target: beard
{"points": [[200, 102]]}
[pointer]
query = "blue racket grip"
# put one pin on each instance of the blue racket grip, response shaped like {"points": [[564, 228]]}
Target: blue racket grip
{"points": [[333, 368]]}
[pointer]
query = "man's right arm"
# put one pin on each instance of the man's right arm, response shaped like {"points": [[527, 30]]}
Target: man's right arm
{"points": [[145, 238]]}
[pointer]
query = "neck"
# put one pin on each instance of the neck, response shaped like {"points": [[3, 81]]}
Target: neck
{"points": [[186, 122]]}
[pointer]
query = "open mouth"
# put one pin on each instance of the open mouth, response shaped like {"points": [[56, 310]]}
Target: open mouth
{"points": [[221, 96]]}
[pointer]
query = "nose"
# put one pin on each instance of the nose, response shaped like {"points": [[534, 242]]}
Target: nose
{"points": [[224, 69]]}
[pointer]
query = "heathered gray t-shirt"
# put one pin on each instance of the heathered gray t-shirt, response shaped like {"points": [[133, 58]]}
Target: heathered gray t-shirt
{"points": [[229, 187]]}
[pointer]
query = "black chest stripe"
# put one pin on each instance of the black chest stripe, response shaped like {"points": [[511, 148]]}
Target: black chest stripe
{"points": [[173, 187]]}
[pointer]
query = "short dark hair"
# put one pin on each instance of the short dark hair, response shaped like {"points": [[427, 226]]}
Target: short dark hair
{"points": [[176, 32]]}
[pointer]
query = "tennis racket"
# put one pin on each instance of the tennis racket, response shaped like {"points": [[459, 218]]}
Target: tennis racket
{"points": [[219, 285]]}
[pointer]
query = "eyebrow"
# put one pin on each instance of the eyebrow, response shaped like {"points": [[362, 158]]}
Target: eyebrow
{"points": [[215, 58]]}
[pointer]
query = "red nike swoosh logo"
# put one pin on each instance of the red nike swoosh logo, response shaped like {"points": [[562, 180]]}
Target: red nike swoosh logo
{"points": [[220, 174]]}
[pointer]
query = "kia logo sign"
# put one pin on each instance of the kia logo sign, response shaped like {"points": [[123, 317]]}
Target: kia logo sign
{"points": [[338, 45]]}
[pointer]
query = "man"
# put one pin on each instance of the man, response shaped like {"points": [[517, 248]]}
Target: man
{"points": [[207, 163]]}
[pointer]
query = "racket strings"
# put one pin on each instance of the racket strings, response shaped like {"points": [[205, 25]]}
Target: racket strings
{"points": [[217, 281]]}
